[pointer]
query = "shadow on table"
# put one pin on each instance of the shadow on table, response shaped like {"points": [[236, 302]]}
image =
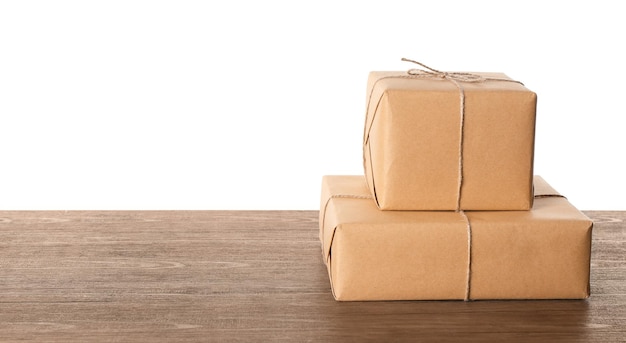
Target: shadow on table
{"points": [[448, 320]]}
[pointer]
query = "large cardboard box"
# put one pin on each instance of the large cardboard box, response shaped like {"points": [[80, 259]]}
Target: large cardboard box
{"points": [[437, 143], [371, 254]]}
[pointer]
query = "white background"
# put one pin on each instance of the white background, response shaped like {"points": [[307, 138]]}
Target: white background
{"points": [[246, 104]]}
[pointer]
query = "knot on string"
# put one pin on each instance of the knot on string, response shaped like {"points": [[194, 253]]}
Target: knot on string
{"points": [[432, 72]]}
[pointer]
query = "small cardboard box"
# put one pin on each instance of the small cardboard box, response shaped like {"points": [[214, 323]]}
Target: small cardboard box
{"points": [[435, 143], [371, 254]]}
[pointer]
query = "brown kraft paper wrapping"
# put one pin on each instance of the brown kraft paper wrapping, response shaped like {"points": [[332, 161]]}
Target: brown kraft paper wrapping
{"points": [[424, 150], [370, 254]]}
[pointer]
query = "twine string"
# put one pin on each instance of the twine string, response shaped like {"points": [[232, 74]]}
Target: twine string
{"points": [[455, 78], [468, 283], [461, 138], [335, 196], [349, 196]]}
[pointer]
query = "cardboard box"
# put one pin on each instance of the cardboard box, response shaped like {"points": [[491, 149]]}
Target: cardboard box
{"points": [[424, 151], [371, 254]]}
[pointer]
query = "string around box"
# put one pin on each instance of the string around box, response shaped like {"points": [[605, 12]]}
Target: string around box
{"points": [[336, 196], [468, 284], [456, 78]]}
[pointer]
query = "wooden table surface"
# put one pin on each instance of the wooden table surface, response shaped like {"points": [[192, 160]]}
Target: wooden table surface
{"points": [[252, 276]]}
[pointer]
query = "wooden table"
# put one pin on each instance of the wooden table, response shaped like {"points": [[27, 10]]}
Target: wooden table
{"points": [[227, 276]]}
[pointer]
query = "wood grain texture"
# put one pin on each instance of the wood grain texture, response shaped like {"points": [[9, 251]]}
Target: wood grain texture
{"points": [[251, 276]]}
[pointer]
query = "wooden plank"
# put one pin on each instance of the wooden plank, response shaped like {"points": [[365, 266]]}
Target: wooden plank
{"points": [[229, 276]]}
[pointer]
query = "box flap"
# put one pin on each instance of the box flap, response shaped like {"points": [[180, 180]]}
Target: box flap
{"points": [[337, 187]]}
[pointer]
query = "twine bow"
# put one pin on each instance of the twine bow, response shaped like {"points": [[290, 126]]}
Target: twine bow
{"points": [[455, 76], [432, 72]]}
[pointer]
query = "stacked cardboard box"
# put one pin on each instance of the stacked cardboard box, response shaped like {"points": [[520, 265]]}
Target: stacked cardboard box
{"points": [[448, 207]]}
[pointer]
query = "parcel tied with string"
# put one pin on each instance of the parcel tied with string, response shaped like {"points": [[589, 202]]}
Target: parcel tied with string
{"points": [[446, 141], [543, 253]]}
